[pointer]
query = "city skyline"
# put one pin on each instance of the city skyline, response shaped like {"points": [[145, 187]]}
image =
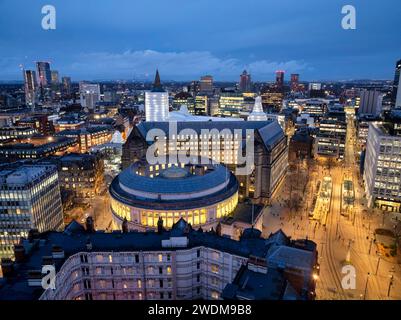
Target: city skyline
{"points": [[131, 41]]}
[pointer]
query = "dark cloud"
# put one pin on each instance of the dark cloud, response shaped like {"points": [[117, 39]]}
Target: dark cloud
{"points": [[126, 38]]}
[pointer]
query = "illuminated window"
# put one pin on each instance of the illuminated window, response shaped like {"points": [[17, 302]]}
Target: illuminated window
{"points": [[160, 257], [215, 268], [139, 283], [168, 270]]}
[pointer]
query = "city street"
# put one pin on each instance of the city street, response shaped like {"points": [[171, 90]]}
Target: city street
{"points": [[343, 240]]}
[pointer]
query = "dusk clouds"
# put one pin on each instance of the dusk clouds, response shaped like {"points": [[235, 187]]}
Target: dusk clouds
{"points": [[174, 65], [126, 39]]}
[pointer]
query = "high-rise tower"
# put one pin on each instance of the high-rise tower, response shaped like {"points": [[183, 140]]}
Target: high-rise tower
{"points": [[245, 82], [44, 74], [156, 102], [30, 87]]}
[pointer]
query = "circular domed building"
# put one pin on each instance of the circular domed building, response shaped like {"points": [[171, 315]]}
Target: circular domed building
{"points": [[200, 194]]}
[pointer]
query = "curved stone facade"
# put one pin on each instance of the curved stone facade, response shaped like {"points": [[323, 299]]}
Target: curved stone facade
{"points": [[200, 194]]}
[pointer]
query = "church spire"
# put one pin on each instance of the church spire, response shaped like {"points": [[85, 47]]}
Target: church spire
{"points": [[157, 84]]}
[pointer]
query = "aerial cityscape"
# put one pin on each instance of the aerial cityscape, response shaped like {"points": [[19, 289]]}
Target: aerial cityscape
{"points": [[200, 163]]}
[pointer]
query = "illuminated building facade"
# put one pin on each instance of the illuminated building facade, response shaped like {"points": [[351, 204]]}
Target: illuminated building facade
{"points": [[179, 264], [201, 194], [89, 137], [81, 173], [270, 150], [272, 99], [316, 108], [156, 102], [68, 123], [36, 148], [44, 74], [29, 198], [231, 104], [257, 113], [184, 98], [294, 82], [30, 87], [89, 95], [331, 137], [201, 105], [382, 174], [40, 123], [206, 84], [7, 133]]}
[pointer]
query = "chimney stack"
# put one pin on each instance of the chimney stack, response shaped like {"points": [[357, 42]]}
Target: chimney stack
{"points": [[19, 253], [90, 225]]}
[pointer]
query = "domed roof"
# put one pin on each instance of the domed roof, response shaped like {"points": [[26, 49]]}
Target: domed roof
{"points": [[174, 173]]}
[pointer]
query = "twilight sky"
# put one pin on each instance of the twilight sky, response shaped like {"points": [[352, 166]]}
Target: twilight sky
{"points": [[127, 39]]}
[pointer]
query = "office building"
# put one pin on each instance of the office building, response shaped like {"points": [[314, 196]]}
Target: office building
{"points": [[29, 199], [69, 122], [315, 86], [66, 85], [35, 148], [316, 108], [370, 103], [81, 174], [30, 87], [44, 74], [231, 104], [156, 102], [179, 264], [40, 123], [331, 137], [111, 154], [206, 84], [382, 173], [272, 99], [294, 82], [395, 92], [89, 95], [15, 133], [245, 84], [186, 99], [88, 137], [280, 79], [201, 105], [55, 77]]}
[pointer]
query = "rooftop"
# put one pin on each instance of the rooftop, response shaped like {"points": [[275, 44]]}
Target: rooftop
{"points": [[75, 239]]}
